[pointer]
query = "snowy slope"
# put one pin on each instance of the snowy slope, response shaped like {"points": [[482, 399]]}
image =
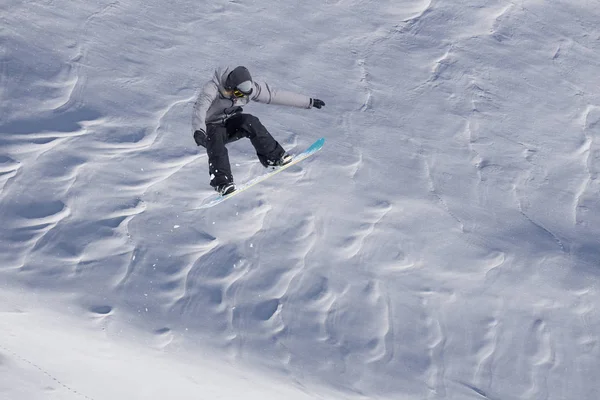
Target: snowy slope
{"points": [[445, 244]]}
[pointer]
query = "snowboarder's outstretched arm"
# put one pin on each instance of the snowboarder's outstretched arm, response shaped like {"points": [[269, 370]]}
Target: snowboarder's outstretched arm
{"points": [[264, 93]]}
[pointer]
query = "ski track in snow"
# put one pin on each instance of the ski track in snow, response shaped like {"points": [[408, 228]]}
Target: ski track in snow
{"points": [[444, 244]]}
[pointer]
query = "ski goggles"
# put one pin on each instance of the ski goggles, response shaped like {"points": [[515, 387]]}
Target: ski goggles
{"points": [[243, 89], [239, 93]]}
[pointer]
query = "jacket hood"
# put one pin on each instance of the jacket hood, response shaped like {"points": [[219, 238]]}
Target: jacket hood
{"points": [[237, 76]]}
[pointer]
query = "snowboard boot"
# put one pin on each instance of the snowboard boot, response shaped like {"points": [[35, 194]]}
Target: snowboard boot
{"points": [[285, 159], [225, 189]]}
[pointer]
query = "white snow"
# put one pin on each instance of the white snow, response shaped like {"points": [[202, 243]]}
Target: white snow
{"points": [[444, 244]]}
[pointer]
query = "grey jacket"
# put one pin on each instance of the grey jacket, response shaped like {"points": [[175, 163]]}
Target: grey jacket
{"points": [[213, 107]]}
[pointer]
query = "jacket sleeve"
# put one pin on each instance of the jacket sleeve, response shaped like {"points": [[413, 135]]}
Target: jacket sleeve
{"points": [[263, 93], [205, 99]]}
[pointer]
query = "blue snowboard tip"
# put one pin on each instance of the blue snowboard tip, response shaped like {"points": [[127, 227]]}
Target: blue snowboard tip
{"points": [[316, 145]]}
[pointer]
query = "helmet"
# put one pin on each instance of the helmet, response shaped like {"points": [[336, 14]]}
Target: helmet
{"points": [[239, 79]]}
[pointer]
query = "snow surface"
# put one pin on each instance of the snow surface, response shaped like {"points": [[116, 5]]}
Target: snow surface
{"points": [[445, 244]]}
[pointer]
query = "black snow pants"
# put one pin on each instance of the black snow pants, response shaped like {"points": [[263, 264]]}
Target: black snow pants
{"points": [[236, 127]]}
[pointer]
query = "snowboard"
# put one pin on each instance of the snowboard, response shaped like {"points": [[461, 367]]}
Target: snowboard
{"points": [[217, 198]]}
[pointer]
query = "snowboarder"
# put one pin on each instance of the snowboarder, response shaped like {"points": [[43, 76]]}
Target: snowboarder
{"points": [[218, 120]]}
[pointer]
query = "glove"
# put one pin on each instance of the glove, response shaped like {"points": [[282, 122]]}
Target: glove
{"points": [[316, 103], [200, 137]]}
